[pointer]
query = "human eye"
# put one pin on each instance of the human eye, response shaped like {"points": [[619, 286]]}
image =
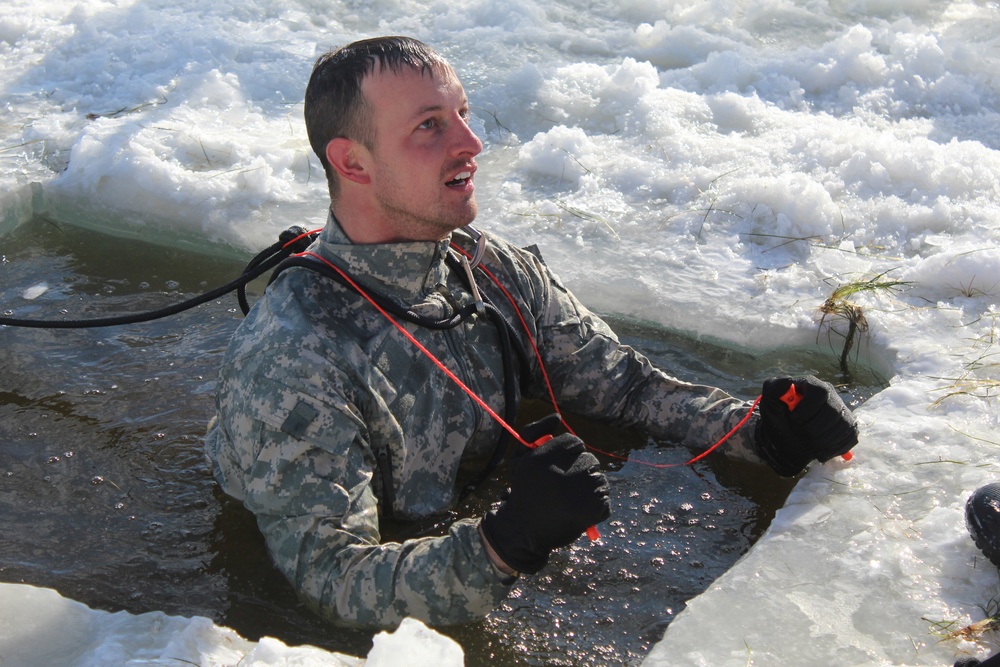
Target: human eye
{"points": [[428, 124]]}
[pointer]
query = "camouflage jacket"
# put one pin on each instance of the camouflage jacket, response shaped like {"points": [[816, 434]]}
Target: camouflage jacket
{"points": [[325, 411]]}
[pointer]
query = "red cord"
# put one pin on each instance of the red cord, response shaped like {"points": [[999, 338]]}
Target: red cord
{"points": [[302, 236], [427, 353], [492, 413], [592, 532], [555, 404]]}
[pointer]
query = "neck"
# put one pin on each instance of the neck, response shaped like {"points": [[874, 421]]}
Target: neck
{"points": [[366, 225], [361, 227]]}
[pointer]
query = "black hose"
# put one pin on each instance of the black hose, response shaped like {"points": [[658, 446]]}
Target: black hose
{"points": [[294, 239], [510, 346]]}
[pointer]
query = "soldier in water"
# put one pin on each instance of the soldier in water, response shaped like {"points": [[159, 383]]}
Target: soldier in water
{"points": [[377, 377]]}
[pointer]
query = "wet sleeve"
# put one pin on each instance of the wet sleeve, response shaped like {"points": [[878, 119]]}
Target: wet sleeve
{"points": [[310, 487], [596, 375]]}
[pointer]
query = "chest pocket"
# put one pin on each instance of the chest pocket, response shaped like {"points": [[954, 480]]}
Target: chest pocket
{"points": [[429, 430]]}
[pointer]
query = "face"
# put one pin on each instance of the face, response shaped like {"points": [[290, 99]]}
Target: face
{"points": [[422, 165]]}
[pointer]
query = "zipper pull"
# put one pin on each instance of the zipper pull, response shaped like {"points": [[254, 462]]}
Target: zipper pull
{"points": [[480, 306]]}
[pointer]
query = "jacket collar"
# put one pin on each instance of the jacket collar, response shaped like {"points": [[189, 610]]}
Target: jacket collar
{"points": [[405, 271]]}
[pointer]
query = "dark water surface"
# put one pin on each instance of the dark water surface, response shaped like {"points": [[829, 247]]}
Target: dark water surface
{"points": [[105, 495]]}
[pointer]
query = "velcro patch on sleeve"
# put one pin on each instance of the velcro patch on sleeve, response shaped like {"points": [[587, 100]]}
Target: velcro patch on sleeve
{"points": [[298, 419]]}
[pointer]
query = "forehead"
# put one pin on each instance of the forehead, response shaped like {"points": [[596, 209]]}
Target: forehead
{"points": [[412, 92]]}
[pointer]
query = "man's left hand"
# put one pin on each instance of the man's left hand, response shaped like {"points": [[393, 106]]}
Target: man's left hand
{"points": [[798, 426]]}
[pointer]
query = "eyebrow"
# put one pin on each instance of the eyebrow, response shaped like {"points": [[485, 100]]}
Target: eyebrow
{"points": [[437, 107], [428, 109]]}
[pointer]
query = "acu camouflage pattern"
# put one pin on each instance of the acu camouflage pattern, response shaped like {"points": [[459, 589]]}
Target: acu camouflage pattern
{"points": [[320, 397]]}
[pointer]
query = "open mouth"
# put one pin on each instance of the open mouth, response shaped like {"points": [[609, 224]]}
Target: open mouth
{"points": [[460, 180]]}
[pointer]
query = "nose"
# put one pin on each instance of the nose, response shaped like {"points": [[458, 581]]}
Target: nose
{"points": [[466, 143]]}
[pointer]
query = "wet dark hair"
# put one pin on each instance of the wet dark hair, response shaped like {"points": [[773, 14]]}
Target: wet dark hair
{"points": [[334, 104]]}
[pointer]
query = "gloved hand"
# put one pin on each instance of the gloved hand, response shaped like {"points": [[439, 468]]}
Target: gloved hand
{"points": [[547, 425], [818, 428], [557, 491]]}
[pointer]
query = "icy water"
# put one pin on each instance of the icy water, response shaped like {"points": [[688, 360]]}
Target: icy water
{"points": [[105, 495]]}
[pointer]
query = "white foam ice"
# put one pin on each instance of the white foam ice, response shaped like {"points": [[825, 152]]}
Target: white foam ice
{"points": [[717, 168], [40, 627]]}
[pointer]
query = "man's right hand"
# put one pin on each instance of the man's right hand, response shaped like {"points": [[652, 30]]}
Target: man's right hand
{"points": [[557, 491]]}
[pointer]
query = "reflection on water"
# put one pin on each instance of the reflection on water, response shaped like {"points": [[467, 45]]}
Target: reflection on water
{"points": [[105, 495]]}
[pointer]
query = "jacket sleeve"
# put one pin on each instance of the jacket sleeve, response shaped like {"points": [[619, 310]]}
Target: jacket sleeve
{"points": [[597, 376], [304, 468]]}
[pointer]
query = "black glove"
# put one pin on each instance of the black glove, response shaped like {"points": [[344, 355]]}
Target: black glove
{"points": [[557, 491], [992, 661], [818, 427]]}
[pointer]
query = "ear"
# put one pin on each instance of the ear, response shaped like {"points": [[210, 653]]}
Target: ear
{"points": [[348, 159]]}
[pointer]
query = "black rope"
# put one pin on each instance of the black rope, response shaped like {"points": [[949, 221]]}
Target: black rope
{"points": [[277, 252], [510, 345], [457, 316], [510, 402], [279, 257], [263, 262]]}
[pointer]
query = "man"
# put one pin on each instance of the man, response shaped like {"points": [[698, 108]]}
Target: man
{"points": [[369, 382], [982, 518]]}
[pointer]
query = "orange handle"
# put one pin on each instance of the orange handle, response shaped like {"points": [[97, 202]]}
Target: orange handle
{"points": [[792, 397], [541, 441]]}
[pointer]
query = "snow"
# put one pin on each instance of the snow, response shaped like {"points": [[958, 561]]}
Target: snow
{"points": [[712, 167], [39, 627]]}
